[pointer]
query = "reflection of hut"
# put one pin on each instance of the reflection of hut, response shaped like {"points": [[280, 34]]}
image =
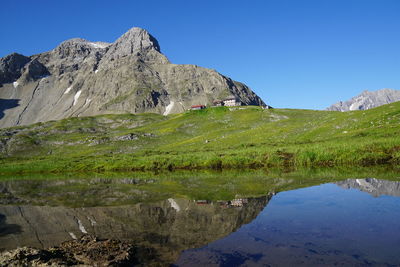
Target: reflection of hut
{"points": [[223, 204], [239, 202], [197, 107], [202, 202]]}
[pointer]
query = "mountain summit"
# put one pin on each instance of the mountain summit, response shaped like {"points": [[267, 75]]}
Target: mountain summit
{"points": [[367, 100], [84, 78], [132, 40]]}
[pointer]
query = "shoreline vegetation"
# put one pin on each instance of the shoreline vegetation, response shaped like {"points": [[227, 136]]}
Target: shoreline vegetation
{"points": [[220, 138]]}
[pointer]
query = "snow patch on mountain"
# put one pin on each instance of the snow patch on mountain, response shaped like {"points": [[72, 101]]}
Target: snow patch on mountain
{"points": [[68, 90], [101, 45], [76, 97], [169, 108]]}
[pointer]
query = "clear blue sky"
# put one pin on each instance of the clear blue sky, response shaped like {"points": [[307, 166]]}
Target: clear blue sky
{"points": [[292, 53]]}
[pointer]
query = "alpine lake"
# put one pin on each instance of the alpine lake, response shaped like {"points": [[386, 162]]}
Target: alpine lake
{"points": [[312, 217]]}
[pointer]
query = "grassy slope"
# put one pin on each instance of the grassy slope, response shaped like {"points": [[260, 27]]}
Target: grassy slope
{"points": [[211, 138]]}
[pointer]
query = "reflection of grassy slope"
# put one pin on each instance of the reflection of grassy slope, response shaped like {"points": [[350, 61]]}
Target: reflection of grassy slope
{"points": [[112, 189], [212, 138]]}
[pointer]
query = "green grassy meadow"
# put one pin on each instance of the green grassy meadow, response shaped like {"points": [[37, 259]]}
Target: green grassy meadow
{"points": [[213, 138]]}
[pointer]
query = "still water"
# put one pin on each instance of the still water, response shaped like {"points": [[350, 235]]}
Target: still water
{"points": [[198, 222], [319, 225]]}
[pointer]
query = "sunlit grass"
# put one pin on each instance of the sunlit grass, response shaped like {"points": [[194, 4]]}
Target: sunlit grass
{"points": [[214, 138]]}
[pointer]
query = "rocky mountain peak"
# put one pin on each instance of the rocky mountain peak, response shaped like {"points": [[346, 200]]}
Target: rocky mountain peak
{"points": [[367, 100], [136, 39], [84, 78]]}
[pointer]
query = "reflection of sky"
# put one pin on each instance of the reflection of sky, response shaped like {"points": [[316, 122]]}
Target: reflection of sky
{"points": [[318, 225]]}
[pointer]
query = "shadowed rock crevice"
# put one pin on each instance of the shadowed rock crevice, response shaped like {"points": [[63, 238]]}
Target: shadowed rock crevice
{"points": [[7, 104], [7, 229]]}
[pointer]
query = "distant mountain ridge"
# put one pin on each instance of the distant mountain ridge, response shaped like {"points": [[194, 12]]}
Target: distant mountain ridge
{"points": [[368, 100], [83, 78]]}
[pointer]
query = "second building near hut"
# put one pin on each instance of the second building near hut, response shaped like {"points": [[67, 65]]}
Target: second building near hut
{"points": [[229, 102], [232, 102]]}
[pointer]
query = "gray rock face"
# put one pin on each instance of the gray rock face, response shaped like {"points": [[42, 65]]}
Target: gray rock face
{"points": [[83, 78], [367, 100], [135, 39]]}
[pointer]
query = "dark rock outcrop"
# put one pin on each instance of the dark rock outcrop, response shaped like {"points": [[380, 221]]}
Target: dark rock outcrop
{"points": [[86, 251], [83, 78], [11, 67]]}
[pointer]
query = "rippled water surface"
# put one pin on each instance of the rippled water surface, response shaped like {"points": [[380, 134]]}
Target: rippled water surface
{"points": [[213, 220]]}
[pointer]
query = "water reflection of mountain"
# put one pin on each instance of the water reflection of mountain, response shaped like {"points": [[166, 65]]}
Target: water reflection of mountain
{"points": [[168, 226], [76, 192], [44, 213], [373, 186]]}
